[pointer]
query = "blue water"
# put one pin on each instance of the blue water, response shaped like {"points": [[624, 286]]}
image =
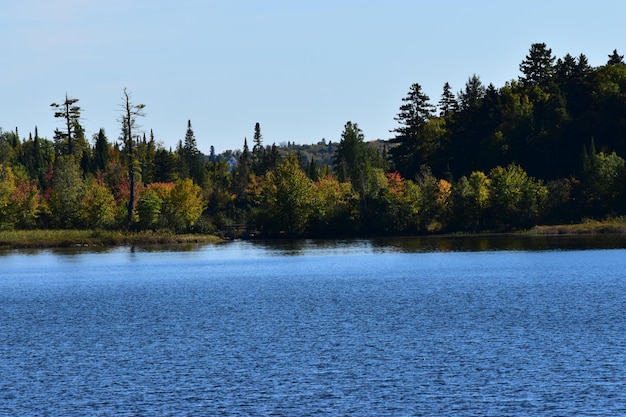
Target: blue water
{"points": [[341, 328]]}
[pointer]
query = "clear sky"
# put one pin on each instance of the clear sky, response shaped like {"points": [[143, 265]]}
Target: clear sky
{"points": [[301, 68]]}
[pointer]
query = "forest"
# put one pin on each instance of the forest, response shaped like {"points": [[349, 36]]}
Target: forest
{"points": [[545, 148]]}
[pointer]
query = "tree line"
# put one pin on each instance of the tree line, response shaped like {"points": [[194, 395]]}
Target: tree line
{"points": [[546, 147]]}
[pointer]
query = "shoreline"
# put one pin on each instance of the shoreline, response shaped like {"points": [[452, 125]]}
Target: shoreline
{"points": [[40, 238]]}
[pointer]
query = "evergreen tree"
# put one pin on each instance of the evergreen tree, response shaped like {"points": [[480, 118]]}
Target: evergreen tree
{"points": [[313, 170], [407, 154], [101, 151], [33, 156], [244, 159], [191, 155], [538, 66], [470, 98], [259, 157], [257, 140], [191, 146], [349, 159], [448, 103], [565, 67], [70, 113], [39, 163], [148, 167], [615, 58], [183, 168], [272, 158], [242, 173], [582, 66], [165, 169]]}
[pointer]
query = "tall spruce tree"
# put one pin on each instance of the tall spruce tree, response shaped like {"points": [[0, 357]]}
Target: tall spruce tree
{"points": [[191, 154], [257, 139], [448, 103], [101, 151], [407, 152], [259, 160]]}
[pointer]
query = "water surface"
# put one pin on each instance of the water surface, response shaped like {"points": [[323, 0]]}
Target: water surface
{"points": [[402, 327]]}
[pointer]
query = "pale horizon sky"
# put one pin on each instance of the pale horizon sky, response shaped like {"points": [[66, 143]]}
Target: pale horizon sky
{"points": [[302, 69]]}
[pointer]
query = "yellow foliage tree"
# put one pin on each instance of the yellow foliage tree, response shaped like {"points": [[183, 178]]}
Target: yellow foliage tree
{"points": [[98, 208], [184, 205]]}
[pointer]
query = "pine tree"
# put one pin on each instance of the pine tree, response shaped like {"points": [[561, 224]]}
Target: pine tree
{"points": [[538, 67], [70, 113]]}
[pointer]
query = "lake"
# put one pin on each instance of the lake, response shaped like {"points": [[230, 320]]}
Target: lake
{"points": [[406, 327]]}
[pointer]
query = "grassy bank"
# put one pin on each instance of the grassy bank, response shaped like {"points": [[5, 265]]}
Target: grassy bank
{"points": [[590, 227], [17, 239]]}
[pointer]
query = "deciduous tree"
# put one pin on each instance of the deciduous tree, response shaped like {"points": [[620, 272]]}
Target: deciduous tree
{"points": [[67, 193], [471, 200], [98, 209], [517, 200], [184, 205], [602, 179], [287, 205], [335, 207]]}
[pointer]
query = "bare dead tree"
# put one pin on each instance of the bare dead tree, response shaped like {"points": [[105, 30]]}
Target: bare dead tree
{"points": [[130, 112]]}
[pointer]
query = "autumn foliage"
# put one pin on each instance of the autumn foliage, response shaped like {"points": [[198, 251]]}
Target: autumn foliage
{"points": [[546, 147]]}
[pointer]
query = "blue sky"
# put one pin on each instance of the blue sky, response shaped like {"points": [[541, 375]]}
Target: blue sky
{"points": [[301, 69]]}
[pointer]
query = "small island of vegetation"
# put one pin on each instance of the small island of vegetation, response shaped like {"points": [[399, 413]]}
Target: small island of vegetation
{"points": [[544, 149]]}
